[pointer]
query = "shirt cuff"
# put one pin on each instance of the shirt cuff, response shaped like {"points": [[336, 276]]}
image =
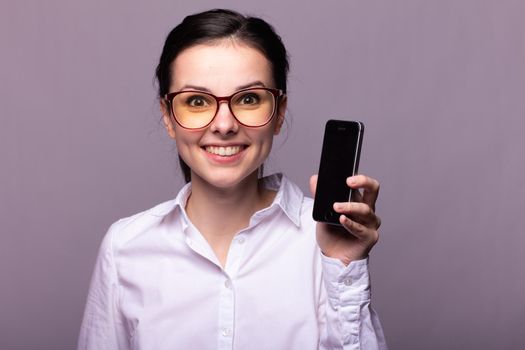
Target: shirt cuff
{"points": [[346, 285]]}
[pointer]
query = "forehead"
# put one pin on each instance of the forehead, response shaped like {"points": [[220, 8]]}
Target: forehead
{"points": [[220, 67]]}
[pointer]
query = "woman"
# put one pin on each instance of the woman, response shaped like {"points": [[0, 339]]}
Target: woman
{"points": [[233, 261]]}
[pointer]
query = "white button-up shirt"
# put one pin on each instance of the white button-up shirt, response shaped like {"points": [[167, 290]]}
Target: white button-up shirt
{"points": [[157, 285]]}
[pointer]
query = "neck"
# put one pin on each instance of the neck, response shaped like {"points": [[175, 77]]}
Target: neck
{"points": [[223, 212], [220, 213]]}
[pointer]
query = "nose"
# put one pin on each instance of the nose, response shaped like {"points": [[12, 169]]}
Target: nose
{"points": [[224, 122]]}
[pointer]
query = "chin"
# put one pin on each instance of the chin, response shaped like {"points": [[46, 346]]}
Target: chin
{"points": [[226, 178]]}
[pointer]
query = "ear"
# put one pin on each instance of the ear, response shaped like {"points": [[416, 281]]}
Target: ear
{"points": [[281, 110], [166, 118]]}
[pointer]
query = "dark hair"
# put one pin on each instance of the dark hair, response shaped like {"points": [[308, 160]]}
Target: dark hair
{"points": [[209, 26]]}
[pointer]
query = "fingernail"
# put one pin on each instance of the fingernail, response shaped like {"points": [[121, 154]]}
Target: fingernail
{"points": [[352, 181]]}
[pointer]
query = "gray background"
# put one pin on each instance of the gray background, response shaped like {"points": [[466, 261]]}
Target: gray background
{"points": [[440, 86]]}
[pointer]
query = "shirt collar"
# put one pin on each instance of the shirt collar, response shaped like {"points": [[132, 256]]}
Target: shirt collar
{"points": [[165, 208], [289, 198]]}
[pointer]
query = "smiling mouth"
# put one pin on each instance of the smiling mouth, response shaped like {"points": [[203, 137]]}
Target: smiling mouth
{"points": [[224, 151]]}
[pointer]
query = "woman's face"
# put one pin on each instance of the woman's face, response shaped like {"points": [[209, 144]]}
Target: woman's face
{"points": [[222, 69]]}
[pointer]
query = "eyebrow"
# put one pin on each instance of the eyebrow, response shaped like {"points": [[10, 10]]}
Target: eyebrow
{"points": [[242, 87], [252, 84]]}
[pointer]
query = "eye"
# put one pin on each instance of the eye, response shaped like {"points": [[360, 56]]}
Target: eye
{"points": [[249, 98], [197, 101]]}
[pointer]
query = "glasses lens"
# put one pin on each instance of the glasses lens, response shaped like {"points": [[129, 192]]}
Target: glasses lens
{"points": [[253, 107], [193, 109]]}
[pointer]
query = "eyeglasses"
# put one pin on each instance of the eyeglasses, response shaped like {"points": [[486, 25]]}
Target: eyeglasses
{"points": [[252, 107]]}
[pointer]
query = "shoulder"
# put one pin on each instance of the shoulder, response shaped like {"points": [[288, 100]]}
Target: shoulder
{"points": [[129, 228]]}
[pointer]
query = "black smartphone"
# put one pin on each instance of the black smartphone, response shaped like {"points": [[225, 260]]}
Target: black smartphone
{"points": [[339, 160]]}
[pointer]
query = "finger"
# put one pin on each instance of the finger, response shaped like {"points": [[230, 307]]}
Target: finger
{"points": [[313, 184], [369, 185], [356, 208], [358, 230], [359, 212]]}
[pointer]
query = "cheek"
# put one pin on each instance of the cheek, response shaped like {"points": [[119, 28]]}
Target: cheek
{"points": [[186, 142], [265, 140]]}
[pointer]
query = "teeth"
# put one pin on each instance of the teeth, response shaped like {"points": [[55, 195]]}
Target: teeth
{"points": [[223, 151]]}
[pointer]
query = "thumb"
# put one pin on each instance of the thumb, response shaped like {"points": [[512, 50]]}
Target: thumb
{"points": [[313, 184]]}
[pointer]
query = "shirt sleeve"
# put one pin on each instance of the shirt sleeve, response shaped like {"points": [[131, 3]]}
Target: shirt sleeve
{"points": [[347, 319], [102, 327]]}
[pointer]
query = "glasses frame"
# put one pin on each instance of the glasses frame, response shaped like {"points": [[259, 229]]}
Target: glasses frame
{"points": [[276, 93]]}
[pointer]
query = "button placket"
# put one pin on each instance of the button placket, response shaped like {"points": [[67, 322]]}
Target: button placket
{"points": [[226, 314], [226, 332], [227, 293], [235, 254]]}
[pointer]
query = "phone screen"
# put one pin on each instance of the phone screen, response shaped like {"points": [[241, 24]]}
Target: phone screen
{"points": [[339, 160]]}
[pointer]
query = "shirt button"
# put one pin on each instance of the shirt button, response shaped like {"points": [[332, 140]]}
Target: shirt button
{"points": [[347, 281], [226, 332], [228, 284], [240, 240]]}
